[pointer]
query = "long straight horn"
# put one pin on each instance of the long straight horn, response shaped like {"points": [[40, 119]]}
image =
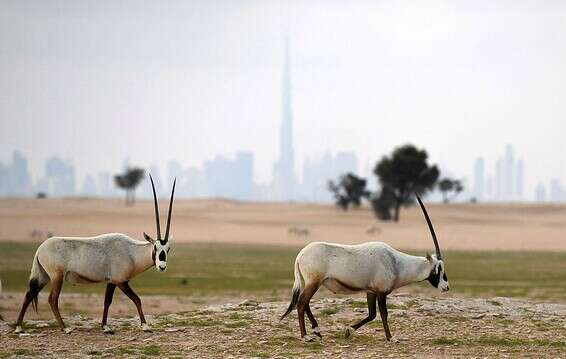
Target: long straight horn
{"points": [[434, 239], [156, 208], [170, 209]]}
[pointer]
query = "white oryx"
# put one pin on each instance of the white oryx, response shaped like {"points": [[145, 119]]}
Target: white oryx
{"points": [[374, 268], [113, 258]]}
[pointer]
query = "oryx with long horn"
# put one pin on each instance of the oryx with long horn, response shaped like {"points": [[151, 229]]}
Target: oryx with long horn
{"points": [[374, 268], [113, 258]]}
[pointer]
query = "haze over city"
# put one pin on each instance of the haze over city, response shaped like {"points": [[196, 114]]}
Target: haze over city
{"points": [[103, 82]]}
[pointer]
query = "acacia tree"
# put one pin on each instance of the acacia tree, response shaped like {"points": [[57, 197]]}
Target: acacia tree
{"points": [[448, 185], [405, 172], [128, 181], [348, 190]]}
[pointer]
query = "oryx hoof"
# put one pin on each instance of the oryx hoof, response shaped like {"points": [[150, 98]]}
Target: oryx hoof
{"points": [[68, 330], [18, 329], [349, 332], [316, 332], [308, 338], [107, 330], [145, 327]]}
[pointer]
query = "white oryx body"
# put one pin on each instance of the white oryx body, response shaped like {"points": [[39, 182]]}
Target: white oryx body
{"points": [[374, 268], [113, 258]]}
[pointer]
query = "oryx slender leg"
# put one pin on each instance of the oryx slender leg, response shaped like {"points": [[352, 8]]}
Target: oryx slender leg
{"points": [[27, 300], [30, 295], [125, 287], [314, 324], [304, 300], [382, 302], [372, 312], [107, 301], [56, 285]]}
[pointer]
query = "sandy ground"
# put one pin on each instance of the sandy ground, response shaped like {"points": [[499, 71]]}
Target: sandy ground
{"points": [[433, 327], [459, 226]]}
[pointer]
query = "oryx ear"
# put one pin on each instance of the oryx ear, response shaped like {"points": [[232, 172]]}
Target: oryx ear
{"points": [[148, 238], [428, 257]]}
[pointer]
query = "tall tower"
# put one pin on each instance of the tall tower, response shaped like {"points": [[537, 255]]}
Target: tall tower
{"points": [[479, 182], [284, 168]]}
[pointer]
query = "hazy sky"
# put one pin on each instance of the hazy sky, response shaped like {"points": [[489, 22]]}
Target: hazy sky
{"points": [[98, 81]]}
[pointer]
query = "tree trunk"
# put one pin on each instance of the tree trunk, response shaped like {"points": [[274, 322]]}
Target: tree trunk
{"points": [[397, 209], [133, 197]]}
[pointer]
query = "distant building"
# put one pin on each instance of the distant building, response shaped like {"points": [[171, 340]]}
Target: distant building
{"points": [[556, 193], [317, 173], [195, 183], [499, 181], [283, 182], [244, 175], [519, 180], [105, 185], [508, 183], [479, 181], [540, 193], [89, 186], [59, 177], [231, 178]]}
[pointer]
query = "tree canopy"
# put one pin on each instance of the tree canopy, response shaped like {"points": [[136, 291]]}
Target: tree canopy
{"points": [[348, 191], [128, 181], [405, 172], [447, 185]]}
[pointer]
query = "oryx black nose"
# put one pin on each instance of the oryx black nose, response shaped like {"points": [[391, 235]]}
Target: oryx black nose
{"points": [[162, 256]]}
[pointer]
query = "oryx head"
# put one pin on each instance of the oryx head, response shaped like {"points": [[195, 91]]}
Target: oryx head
{"points": [[437, 276], [161, 246]]}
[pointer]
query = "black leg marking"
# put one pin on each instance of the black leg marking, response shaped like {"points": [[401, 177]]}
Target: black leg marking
{"points": [[382, 301], [372, 312], [107, 301]]}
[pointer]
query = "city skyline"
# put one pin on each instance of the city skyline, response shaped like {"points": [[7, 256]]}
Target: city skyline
{"points": [[232, 177], [194, 83]]}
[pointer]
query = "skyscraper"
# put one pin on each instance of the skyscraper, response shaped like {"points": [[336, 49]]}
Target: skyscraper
{"points": [[284, 169], [519, 179], [540, 193], [508, 183], [479, 172]]}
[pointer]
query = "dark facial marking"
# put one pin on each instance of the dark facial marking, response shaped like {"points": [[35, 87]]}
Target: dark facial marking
{"points": [[445, 277], [434, 278], [162, 256]]}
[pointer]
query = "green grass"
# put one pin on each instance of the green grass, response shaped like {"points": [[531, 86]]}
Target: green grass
{"points": [[329, 311], [17, 353], [218, 268], [151, 350]]}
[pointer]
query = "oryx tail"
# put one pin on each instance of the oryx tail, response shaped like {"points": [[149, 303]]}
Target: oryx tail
{"points": [[38, 278], [298, 287]]}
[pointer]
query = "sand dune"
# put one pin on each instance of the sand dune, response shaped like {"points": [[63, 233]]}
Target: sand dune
{"points": [[459, 226]]}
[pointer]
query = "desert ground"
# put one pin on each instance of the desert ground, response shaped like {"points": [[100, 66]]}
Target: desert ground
{"points": [[460, 226], [230, 274]]}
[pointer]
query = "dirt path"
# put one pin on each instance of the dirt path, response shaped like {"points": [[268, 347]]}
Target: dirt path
{"points": [[422, 327]]}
